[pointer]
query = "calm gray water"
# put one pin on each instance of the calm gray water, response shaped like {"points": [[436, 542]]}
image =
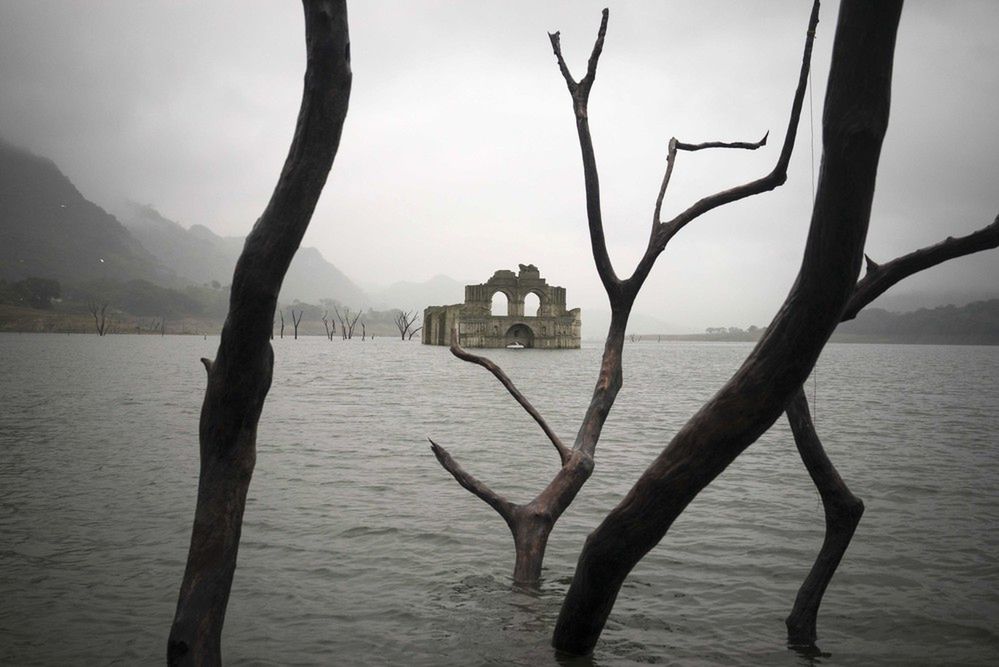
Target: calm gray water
{"points": [[358, 549]]}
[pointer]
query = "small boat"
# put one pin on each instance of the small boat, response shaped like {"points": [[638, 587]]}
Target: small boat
{"points": [[515, 346]]}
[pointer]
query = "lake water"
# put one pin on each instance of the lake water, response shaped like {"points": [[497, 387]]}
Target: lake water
{"points": [[358, 549]]}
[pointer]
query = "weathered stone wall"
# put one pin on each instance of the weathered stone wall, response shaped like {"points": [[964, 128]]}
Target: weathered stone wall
{"points": [[553, 328]]}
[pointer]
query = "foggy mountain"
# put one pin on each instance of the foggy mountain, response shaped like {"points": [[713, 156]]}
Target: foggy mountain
{"points": [[197, 253], [440, 290], [49, 230]]}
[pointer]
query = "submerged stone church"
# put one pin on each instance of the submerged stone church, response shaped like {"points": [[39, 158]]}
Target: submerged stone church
{"points": [[551, 327]]}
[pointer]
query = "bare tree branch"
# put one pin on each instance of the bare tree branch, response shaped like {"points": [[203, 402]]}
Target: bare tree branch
{"points": [[665, 231], [672, 148], [746, 145], [580, 93], [880, 277], [491, 498], [505, 380]]}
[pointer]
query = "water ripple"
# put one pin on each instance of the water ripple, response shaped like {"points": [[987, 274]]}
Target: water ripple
{"points": [[359, 549]]}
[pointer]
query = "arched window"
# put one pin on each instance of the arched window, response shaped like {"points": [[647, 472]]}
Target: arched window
{"points": [[532, 305], [501, 305]]}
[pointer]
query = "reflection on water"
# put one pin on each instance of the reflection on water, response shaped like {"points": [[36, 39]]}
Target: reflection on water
{"points": [[359, 549]]}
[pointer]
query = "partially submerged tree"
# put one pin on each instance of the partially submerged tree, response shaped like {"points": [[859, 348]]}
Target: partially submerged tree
{"points": [[330, 332], [346, 323], [531, 523], [296, 320], [405, 322], [99, 313], [854, 123], [240, 375], [842, 509]]}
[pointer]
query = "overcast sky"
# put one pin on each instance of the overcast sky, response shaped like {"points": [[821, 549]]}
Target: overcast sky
{"points": [[459, 155]]}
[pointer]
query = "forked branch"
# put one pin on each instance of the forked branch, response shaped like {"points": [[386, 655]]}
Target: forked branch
{"points": [[663, 232], [581, 89], [580, 92], [673, 147]]}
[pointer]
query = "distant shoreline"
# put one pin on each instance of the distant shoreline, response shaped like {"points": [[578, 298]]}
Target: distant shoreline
{"points": [[836, 338]]}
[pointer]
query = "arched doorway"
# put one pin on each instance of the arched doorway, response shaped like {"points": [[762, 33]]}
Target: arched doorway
{"points": [[519, 335], [500, 306], [532, 305]]}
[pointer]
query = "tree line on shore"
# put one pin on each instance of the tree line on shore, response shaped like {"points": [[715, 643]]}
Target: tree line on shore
{"points": [[142, 307]]}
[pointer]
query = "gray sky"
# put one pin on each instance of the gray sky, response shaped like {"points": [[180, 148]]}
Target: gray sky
{"points": [[460, 155]]}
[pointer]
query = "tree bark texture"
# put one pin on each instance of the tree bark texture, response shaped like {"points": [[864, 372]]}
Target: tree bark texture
{"points": [[842, 509], [240, 375], [854, 123]]}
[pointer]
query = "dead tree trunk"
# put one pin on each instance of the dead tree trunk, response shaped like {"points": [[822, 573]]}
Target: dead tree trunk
{"points": [[414, 332], [343, 327], [240, 375], [326, 323], [99, 312], [352, 323], [842, 509], [532, 522], [281, 313], [854, 124], [364, 333], [296, 320]]}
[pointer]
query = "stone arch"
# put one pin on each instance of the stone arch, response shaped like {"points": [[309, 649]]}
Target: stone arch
{"points": [[519, 333], [533, 303], [496, 311]]}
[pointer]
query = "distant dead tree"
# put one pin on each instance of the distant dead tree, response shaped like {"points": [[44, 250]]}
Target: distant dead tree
{"points": [[296, 320], [364, 335], [330, 332], [281, 313], [842, 509], [99, 312], [405, 321], [346, 323], [531, 523], [240, 375], [414, 332]]}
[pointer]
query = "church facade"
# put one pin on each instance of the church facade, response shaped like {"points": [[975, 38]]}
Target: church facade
{"points": [[551, 327]]}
